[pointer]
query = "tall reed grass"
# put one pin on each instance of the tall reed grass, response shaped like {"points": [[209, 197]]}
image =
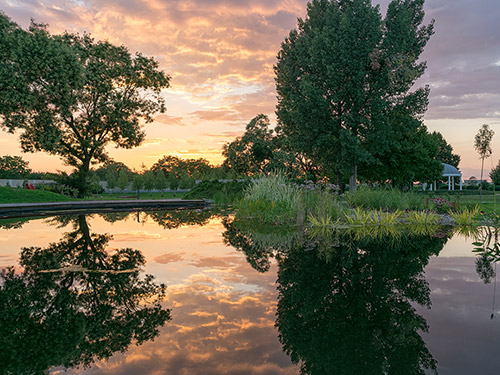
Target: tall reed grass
{"points": [[389, 199], [271, 199]]}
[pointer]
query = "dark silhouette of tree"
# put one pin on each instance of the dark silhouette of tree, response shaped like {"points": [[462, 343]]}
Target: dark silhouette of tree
{"points": [[176, 218], [72, 95], [352, 313], [75, 302], [345, 302]]}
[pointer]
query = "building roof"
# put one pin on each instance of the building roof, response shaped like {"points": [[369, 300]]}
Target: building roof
{"points": [[450, 170]]}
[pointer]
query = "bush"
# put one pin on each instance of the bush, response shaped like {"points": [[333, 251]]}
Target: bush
{"points": [[385, 199], [219, 192]]}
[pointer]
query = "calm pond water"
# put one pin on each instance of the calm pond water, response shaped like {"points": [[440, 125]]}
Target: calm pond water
{"points": [[193, 292]]}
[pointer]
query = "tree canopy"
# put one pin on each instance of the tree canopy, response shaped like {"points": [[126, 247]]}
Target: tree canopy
{"points": [[73, 95], [13, 167], [343, 80]]}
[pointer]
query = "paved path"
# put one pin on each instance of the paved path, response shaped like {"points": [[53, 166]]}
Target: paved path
{"points": [[24, 209]]}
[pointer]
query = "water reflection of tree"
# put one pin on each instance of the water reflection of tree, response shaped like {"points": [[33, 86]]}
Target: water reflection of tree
{"points": [[75, 302], [345, 303], [177, 218]]}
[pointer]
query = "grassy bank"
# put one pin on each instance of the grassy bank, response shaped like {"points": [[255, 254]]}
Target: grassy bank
{"points": [[12, 195]]}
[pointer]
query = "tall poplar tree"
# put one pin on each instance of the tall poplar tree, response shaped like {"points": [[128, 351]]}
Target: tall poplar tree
{"points": [[343, 80]]}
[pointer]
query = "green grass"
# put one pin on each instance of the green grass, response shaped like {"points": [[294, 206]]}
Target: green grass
{"points": [[271, 199], [13, 195]]}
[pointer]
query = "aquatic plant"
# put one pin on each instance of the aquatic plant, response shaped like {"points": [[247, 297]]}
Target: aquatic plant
{"points": [[320, 204], [422, 218], [358, 217], [272, 199], [321, 221], [465, 217], [389, 218]]}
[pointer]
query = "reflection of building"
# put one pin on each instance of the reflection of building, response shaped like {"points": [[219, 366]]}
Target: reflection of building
{"points": [[450, 172]]}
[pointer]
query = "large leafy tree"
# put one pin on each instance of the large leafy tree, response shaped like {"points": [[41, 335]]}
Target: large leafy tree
{"points": [[261, 149], [72, 95], [445, 153], [343, 80]]}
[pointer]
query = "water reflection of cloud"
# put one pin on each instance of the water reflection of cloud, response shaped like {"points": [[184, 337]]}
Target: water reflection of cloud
{"points": [[216, 262], [222, 323], [462, 336], [135, 236], [169, 258]]}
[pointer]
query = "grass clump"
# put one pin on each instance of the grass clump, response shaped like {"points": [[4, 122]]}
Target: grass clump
{"points": [[422, 218], [387, 199], [271, 199], [320, 206], [465, 217]]}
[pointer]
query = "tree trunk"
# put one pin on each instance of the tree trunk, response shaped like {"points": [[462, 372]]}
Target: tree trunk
{"points": [[339, 181], [481, 182], [82, 179], [353, 179]]}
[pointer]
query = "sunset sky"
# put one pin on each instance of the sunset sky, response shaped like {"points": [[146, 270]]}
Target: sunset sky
{"points": [[220, 55]]}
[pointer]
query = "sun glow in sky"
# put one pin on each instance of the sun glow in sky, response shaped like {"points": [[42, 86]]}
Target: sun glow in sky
{"points": [[220, 55]]}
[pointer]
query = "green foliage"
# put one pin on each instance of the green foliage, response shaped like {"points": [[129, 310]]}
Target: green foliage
{"points": [[495, 174], [343, 80], [72, 95], [445, 154], [219, 192], [320, 205], [388, 199], [148, 180], [482, 144], [160, 181], [259, 150], [424, 218], [465, 217], [13, 167], [271, 199], [176, 169], [123, 179], [482, 141], [137, 181]]}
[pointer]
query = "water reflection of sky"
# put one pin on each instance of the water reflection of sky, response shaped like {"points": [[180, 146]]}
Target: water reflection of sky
{"points": [[462, 337], [223, 311]]}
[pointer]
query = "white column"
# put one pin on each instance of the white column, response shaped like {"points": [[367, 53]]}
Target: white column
{"points": [[460, 182], [453, 183], [449, 183]]}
